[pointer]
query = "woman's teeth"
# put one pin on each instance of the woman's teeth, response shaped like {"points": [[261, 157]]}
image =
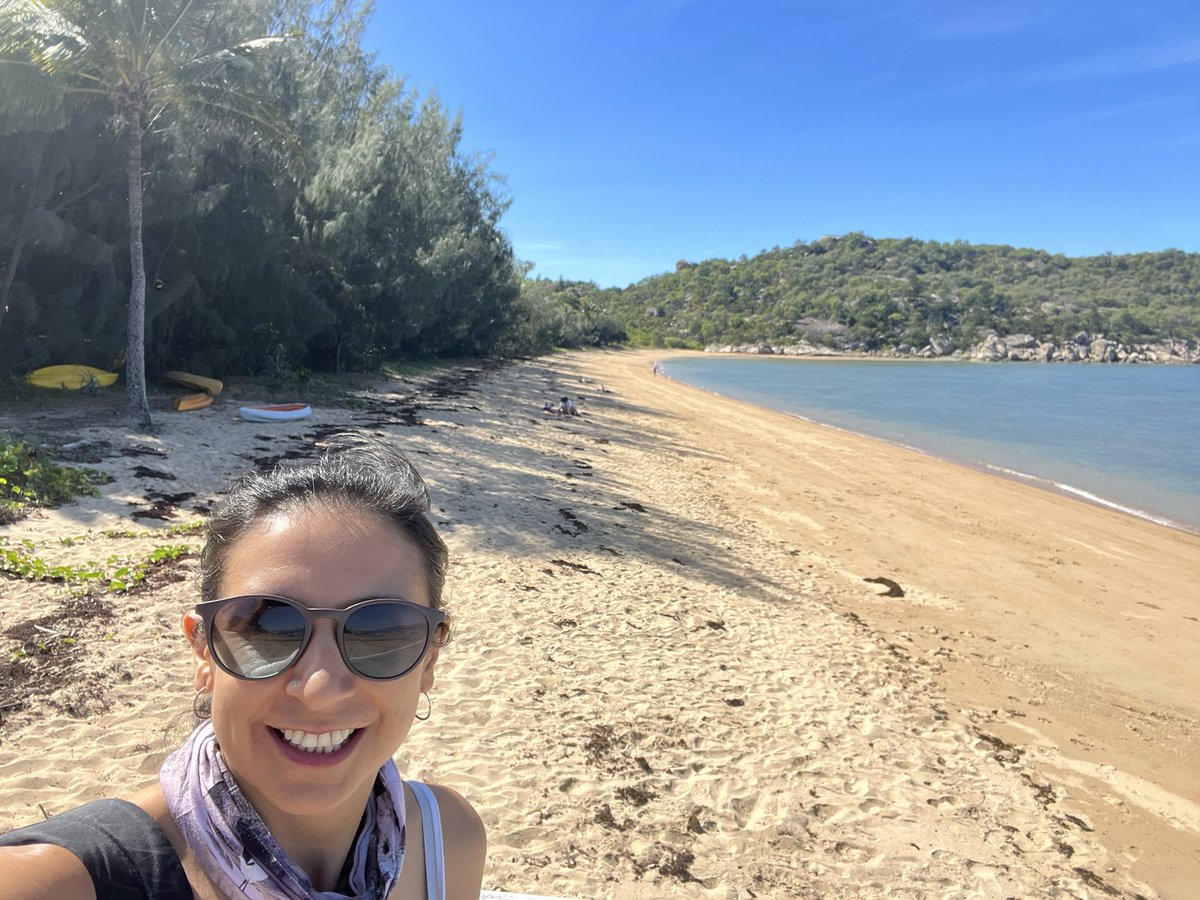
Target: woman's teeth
{"points": [[326, 742]]}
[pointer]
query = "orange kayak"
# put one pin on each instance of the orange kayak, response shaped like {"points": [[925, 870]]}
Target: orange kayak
{"points": [[196, 382], [193, 401]]}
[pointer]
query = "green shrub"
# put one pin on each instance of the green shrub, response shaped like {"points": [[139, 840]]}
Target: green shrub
{"points": [[14, 388], [29, 478]]}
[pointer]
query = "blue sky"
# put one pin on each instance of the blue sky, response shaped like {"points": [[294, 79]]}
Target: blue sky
{"points": [[634, 133]]}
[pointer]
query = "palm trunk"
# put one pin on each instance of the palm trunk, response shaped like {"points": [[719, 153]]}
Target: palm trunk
{"points": [[137, 409]]}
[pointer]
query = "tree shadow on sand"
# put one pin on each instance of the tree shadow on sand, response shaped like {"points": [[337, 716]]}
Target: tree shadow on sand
{"points": [[562, 496]]}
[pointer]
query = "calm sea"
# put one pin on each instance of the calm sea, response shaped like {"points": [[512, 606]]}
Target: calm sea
{"points": [[1127, 437]]}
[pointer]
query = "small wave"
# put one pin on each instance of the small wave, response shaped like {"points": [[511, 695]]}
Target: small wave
{"points": [[1086, 495], [1129, 510], [1025, 476]]}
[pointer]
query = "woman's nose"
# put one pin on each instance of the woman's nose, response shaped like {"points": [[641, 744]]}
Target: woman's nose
{"points": [[320, 677]]}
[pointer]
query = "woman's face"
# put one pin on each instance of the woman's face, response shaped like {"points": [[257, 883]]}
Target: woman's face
{"points": [[330, 559]]}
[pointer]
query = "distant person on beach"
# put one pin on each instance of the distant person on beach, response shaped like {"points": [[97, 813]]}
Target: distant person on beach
{"points": [[566, 407], [314, 645]]}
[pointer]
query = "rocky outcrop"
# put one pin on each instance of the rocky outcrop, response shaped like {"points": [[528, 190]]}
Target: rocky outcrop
{"points": [[800, 348], [940, 347], [1024, 347], [1083, 347], [993, 347]]}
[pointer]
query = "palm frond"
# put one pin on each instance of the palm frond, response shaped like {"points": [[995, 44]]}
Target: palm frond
{"points": [[30, 100], [25, 24], [169, 31], [227, 61]]}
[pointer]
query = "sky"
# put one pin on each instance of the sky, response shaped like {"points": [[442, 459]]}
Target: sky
{"points": [[635, 133]]}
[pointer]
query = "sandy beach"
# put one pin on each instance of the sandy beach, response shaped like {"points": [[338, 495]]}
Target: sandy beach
{"points": [[703, 649]]}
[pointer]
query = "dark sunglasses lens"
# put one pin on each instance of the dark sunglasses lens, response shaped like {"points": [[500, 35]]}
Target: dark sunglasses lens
{"points": [[257, 637], [385, 640]]}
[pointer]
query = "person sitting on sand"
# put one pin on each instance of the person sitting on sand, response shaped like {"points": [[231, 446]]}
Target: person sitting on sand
{"points": [[566, 407], [317, 635]]}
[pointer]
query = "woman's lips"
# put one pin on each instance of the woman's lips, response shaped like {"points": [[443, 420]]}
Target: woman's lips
{"points": [[315, 758]]}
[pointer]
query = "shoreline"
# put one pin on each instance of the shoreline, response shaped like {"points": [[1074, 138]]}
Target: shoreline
{"points": [[1040, 482], [972, 685], [677, 672]]}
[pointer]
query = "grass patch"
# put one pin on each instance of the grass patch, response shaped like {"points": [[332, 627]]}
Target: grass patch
{"points": [[17, 392], [407, 368], [115, 575], [337, 391], [28, 477]]}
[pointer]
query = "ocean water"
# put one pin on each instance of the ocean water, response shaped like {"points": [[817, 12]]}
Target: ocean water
{"points": [[1125, 436]]}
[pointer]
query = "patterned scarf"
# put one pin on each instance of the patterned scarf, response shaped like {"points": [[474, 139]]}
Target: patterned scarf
{"points": [[234, 848]]}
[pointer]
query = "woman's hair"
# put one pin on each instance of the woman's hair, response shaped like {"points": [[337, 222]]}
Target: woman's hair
{"points": [[364, 474]]}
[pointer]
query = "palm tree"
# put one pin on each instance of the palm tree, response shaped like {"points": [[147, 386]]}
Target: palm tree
{"points": [[147, 57]]}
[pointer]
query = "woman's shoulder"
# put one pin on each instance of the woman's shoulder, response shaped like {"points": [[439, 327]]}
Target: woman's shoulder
{"points": [[457, 812], [464, 841]]}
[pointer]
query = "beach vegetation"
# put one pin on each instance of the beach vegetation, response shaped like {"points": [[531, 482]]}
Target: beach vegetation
{"points": [[171, 530], [29, 478], [408, 368], [560, 313], [114, 575], [130, 534], [14, 389]]}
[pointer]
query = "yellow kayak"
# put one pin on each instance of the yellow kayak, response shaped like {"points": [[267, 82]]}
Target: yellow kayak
{"points": [[199, 382], [70, 378]]}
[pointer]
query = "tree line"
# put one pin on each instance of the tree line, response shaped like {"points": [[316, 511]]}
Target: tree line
{"points": [[301, 208], [855, 292]]}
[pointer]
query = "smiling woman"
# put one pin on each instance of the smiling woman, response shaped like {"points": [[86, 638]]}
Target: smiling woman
{"points": [[318, 633]]}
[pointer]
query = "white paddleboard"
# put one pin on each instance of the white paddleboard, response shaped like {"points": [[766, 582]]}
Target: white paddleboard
{"points": [[284, 412]]}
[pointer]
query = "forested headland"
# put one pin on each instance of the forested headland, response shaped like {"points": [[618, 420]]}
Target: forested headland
{"points": [[858, 294], [316, 214]]}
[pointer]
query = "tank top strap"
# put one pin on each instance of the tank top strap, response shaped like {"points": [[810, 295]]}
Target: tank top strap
{"points": [[431, 827]]}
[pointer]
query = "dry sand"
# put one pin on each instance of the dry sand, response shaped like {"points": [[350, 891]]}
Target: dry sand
{"points": [[671, 677]]}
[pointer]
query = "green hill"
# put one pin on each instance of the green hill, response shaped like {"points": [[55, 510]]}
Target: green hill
{"points": [[856, 293]]}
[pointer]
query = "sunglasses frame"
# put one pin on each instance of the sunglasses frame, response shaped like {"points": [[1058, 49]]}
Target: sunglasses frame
{"points": [[438, 625]]}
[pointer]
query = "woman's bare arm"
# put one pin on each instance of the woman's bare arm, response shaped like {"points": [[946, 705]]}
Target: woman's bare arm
{"points": [[43, 872]]}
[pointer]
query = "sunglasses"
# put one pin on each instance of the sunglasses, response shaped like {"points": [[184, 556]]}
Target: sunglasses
{"points": [[260, 635]]}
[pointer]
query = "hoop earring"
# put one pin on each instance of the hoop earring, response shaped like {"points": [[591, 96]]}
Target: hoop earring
{"points": [[428, 708], [202, 705]]}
